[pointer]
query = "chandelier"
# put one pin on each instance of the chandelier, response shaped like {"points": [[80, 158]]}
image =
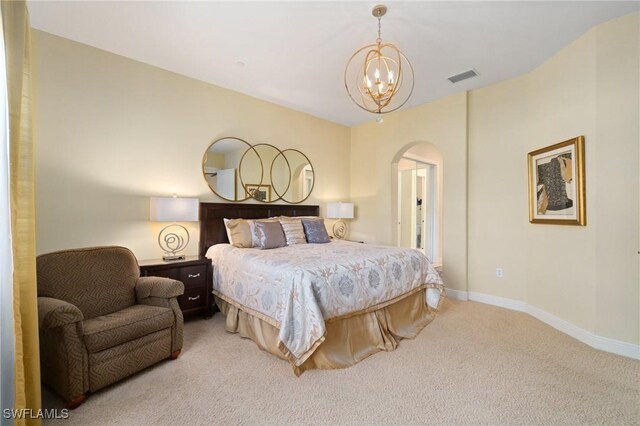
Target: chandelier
{"points": [[379, 77]]}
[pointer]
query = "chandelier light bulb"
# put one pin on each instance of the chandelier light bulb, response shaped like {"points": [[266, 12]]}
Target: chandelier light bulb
{"points": [[366, 68]]}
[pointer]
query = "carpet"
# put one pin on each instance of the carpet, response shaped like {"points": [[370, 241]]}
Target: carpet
{"points": [[474, 364]]}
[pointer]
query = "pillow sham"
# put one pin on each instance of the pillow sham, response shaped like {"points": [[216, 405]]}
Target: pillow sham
{"points": [[225, 220], [239, 233], [270, 234], [252, 227], [315, 231], [293, 231]]}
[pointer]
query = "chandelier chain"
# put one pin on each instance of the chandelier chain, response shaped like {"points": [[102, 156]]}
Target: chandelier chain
{"points": [[379, 39]]}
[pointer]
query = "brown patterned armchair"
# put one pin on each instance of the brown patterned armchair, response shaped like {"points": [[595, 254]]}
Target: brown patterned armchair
{"points": [[100, 321]]}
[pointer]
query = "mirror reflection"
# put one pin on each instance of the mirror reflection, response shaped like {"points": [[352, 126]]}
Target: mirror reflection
{"points": [[301, 179], [263, 189], [221, 163]]}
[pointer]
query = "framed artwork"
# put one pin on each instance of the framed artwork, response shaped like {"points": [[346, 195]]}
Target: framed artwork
{"points": [[557, 184], [259, 192]]}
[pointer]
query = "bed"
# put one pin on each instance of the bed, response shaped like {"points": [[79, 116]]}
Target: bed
{"points": [[318, 306]]}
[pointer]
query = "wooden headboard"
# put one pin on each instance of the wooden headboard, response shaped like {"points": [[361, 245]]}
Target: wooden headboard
{"points": [[211, 214]]}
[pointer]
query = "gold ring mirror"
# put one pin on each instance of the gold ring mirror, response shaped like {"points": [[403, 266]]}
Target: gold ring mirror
{"points": [[221, 166], [301, 176], [235, 170]]}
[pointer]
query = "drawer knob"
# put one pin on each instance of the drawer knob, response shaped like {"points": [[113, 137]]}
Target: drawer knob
{"points": [[194, 298], [194, 275]]}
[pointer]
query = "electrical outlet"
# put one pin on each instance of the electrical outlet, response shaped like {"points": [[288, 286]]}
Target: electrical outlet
{"points": [[499, 273]]}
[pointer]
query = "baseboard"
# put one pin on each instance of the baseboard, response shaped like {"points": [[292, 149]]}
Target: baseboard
{"points": [[503, 302], [457, 294], [598, 342]]}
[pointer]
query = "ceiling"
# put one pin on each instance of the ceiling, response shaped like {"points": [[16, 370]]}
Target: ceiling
{"points": [[294, 53]]}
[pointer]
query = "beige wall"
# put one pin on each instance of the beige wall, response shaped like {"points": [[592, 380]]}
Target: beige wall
{"points": [[585, 275], [374, 182], [111, 132]]}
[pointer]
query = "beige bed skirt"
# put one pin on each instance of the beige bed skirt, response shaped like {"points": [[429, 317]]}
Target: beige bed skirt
{"points": [[348, 340]]}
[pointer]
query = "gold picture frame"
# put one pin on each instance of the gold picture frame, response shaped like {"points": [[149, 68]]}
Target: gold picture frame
{"points": [[557, 184], [258, 192]]}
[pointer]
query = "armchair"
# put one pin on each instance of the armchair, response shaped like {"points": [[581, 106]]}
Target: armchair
{"points": [[100, 321]]}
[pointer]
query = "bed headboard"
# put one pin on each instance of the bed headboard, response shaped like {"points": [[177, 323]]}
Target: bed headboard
{"points": [[211, 214]]}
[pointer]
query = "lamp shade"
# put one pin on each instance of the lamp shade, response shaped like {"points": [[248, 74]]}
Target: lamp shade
{"points": [[340, 210], [173, 209]]}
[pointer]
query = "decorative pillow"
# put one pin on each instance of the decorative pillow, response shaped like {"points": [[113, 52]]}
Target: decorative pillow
{"points": [[225, 220], [270, 234], [252, 227], [239, 233], [293, 231], [315, 231]]}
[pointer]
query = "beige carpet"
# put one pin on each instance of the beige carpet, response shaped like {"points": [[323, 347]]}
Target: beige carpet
{"points": [[475, 364]]}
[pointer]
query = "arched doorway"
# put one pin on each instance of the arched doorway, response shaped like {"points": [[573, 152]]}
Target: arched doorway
{"points": [[417, 198]]}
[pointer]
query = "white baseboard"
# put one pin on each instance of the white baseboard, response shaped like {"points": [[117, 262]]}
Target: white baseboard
{"points": [[503, 302], [598, 342], [457, 294]]}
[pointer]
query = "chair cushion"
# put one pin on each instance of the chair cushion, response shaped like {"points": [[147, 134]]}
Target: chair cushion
{"points": [[113, 329]]}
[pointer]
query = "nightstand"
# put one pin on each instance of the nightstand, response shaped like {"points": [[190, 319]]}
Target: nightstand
{"points": [[195, 272]]}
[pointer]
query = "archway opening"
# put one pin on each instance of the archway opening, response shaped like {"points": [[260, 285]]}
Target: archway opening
{"points": [[417, 178]]}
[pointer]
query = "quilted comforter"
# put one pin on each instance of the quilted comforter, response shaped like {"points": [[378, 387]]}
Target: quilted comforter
{"points": [[297, 288]]}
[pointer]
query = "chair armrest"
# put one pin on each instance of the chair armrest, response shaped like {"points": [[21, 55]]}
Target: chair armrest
{"points": [[55, 313], [161, 287]]}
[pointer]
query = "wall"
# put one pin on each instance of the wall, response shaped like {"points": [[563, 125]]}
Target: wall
{"points": [[375, 147], [589, 275], [111, 132]]}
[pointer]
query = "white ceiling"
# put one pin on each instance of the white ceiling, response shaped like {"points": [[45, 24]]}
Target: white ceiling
{"points": [[295, 52]]}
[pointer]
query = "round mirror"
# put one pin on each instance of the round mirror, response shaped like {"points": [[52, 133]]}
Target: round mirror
{"points": [[299, 183], [221, 167], [262, 189], [235, 170]]}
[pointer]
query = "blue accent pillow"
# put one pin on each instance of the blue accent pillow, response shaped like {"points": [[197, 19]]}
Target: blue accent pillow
{"points": [[315, 231]]}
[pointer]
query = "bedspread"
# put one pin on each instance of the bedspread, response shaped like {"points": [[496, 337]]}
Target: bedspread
{"points": [[297, 288]]}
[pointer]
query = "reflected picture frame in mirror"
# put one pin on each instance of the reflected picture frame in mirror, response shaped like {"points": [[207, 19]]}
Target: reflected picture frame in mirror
{"points": [[260, 191]]}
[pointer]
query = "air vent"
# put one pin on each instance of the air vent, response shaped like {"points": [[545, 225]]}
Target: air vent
{"points": [[463, 76]]}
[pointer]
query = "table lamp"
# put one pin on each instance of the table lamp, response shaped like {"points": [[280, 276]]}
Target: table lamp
{"points": [[340, 211], [173, 238]]}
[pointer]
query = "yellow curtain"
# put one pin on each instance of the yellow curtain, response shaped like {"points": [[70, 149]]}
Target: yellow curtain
{"points": [[15, 19]]}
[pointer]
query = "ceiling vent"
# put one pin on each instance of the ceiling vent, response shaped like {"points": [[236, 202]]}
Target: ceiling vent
{"points": [[463, 76]]}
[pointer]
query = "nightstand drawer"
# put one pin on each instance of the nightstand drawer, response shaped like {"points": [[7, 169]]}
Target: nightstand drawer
{"points": [[193, 276], [174, 273], [193, 299]]}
